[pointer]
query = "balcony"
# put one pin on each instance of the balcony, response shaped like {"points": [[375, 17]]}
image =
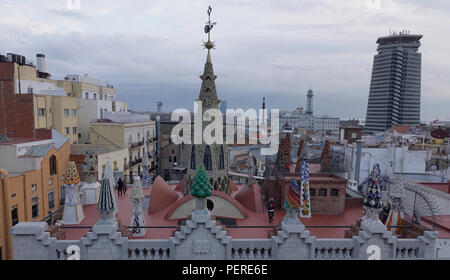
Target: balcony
{"points": [[136, 144], [151, 140], [134, 162]]}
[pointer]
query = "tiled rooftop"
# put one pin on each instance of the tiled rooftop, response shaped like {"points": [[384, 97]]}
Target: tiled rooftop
{"points": [[124, 203]]}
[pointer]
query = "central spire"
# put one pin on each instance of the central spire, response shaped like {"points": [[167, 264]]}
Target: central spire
{"points": [[214, 156], [208, 94], [208, 27]]}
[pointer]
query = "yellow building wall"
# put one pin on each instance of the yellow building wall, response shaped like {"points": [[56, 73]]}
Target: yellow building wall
{"points": [[54, 107], [108, 134], [77, 89], [117, 159], [28, 73], [20, 193]]}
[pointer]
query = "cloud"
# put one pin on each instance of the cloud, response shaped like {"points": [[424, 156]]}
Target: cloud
{"points": [[151, 50]]}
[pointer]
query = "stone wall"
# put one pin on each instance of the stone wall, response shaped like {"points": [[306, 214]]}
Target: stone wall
{"points": [[201, 238]]}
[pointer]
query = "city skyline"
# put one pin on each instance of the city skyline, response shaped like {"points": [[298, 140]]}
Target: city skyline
{"points": [[264, 49]]}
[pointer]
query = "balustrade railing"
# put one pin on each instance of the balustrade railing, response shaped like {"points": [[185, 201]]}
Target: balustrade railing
{"points": [[152, 249], [251, 249], [333, 249]]}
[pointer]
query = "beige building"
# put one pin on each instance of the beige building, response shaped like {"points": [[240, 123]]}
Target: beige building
{"points": [[52, 107], [57, 112], [31, 182], [138, 137], [117, 158]]}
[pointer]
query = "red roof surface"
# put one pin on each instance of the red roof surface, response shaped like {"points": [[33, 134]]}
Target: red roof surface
{"points": [[163, 195], [124, 204], [442, 224], [15, 141], [443, 187], [404, 129], [180, 185], [251, 198]]}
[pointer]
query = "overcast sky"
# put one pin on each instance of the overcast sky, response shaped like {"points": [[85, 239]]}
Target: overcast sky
{"points": [[151, 50]]}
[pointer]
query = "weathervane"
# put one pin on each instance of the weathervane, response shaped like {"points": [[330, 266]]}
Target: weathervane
{"points": [[208, 27]]}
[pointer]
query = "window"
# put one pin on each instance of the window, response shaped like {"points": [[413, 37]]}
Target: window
{"points": [[170, 158], [30, 90], [35, 207], [74, 112], [221, 158], [173, 151], [41, 112], [354, 135], [52, 164], [193, 165], [74, 130], [51, 199], [86, 95], [207, 159], [66, 112], [33, 187], [14, 215], [62, 191], [67, 130], [95, 96], [175, 159], [334, 192], [323, 192], [312, 192]]}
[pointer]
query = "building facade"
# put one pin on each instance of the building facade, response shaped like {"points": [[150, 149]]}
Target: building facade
{"points": [[394, 97], [31, 182], [31, 102], [138, 137]]}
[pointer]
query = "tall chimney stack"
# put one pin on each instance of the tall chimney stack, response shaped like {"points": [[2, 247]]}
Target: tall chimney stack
{"points": [[40, 62]]}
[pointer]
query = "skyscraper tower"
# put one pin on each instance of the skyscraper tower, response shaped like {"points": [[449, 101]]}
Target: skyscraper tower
{"points": [[309, 102], [215, 156], [394, 97]]}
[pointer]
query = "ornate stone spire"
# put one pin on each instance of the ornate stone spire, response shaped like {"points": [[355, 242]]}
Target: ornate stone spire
{"points": [[73, 210], [137, 219], [208, 94], [71, 175], [145, 173], [215, 156], [110, 175], [106, 202], [372, 203]]}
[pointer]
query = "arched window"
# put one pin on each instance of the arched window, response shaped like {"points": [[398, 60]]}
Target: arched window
{"points": [[193, 166], [334, 192], [221, 159], [207, 159], [312, 192], [323, 192], [52, 165]]}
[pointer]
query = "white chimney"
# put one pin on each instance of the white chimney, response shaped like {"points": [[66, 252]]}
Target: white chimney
{"points": [[40, 62]]}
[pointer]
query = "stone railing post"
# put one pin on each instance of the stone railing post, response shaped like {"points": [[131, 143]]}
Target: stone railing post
{"points": [[201, 238], [374, 241], [31, 241], [293, 242]]}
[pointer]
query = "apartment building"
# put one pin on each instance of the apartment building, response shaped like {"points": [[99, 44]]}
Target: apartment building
{"points": [[31, 181]]}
